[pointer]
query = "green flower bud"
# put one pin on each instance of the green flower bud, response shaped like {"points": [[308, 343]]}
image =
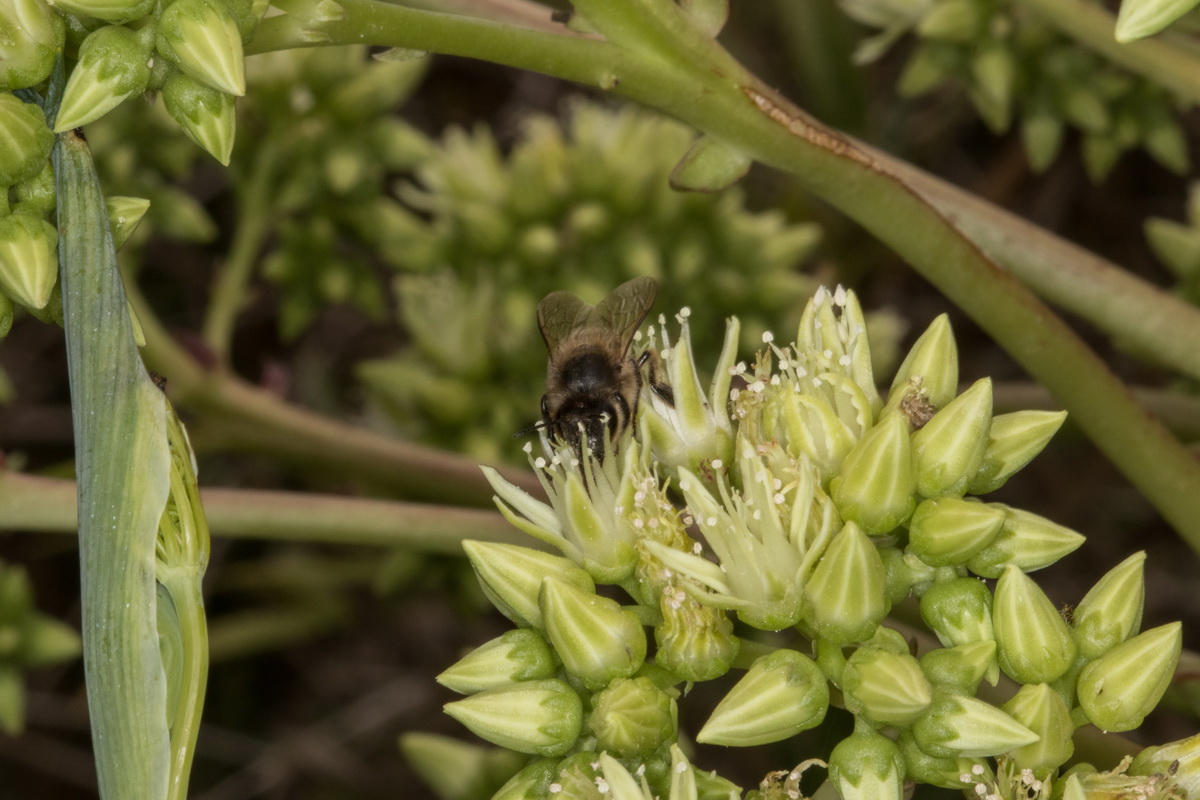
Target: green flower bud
{"points": [[1179, 759], [205, 114], [709, 165], [531, 783], [28, 259], [539, 717], [994, 73], [511, 577], [107, 10], [695, 642], [25, 140], [961, 668], [956, 725], [948, 531], [1042, 710], [1026, 541], [458, 770], [31, 35], [815, 430], [597, 640], [948, 450], [202, 38], [1042, 130], [1013, 440], [931, 367], [958, 611], [1035, 645], [885, 688], [520, 655], [1111, 611], [1120, 688], [114, 64], [877, 479], [924, 768], [1141, 18], [124, 215], [847, 593], [780, 695], [867, 766], [633, 718]]}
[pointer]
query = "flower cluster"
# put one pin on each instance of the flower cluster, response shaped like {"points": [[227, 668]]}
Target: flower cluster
{"points": [[820, 504], [1013, 64]]}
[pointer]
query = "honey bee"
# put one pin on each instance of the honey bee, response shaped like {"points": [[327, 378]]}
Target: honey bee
{"points": [[593, 384]]}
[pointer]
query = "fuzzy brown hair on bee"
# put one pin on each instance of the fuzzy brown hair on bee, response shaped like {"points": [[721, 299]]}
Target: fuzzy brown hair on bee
{"points": [[593, 383]]}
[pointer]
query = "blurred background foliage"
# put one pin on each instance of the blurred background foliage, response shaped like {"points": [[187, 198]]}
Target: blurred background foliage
{"points": [[385, 229]]}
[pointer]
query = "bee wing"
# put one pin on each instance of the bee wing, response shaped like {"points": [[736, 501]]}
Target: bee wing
{"points": [[626, 306], [558, 314]]}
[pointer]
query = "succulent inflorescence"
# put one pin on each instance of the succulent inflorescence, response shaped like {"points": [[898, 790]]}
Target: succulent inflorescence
{"points": [[792, 495]]}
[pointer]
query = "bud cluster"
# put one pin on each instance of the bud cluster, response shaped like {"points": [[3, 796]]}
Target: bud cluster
{"points": [[1014, 64], [821, 503]]}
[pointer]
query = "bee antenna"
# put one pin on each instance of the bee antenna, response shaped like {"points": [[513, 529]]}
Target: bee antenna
{"points": [[534, 428]]}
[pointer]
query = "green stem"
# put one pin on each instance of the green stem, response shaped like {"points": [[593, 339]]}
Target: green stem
{"points": [[251, 418], [30, 503], [255, 214], [679, 71], [1165, 59]]}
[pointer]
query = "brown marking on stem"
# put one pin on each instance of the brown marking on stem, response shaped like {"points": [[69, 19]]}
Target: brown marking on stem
{"points": [[801, 128]]}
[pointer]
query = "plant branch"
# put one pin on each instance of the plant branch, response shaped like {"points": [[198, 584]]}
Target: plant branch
{"points": [[31, 503]]}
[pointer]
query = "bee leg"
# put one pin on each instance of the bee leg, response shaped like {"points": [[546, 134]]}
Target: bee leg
{"points": [[650, 361]]}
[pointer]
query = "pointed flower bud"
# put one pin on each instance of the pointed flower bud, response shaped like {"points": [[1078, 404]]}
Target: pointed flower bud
{"points": [[520, 655], [597, 640], [1179, 759], [36, 196], [124, 215], [539, 717], [202, 38], [931, 367], [695, 642], [28, 259], [961, 668], [876, 483], [695, 430], [205, 114], [108, 10], [885, 688], [1042, 710], [1120, 688], [114, 64], [847, 592], [1111, 611], [1013, 440], [948, 450], [867, 766], [458, 769], [31, 34], [632, 718], [956, 725], [948, 531], [511, 577], [531, 783], [780, 695], [959, 611], [1026, 541], [1035, 645], [25, 140]]}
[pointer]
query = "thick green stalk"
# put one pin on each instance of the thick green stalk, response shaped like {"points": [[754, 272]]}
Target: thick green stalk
{"points": [[123, 465], [679, 70], [30, 503]]}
